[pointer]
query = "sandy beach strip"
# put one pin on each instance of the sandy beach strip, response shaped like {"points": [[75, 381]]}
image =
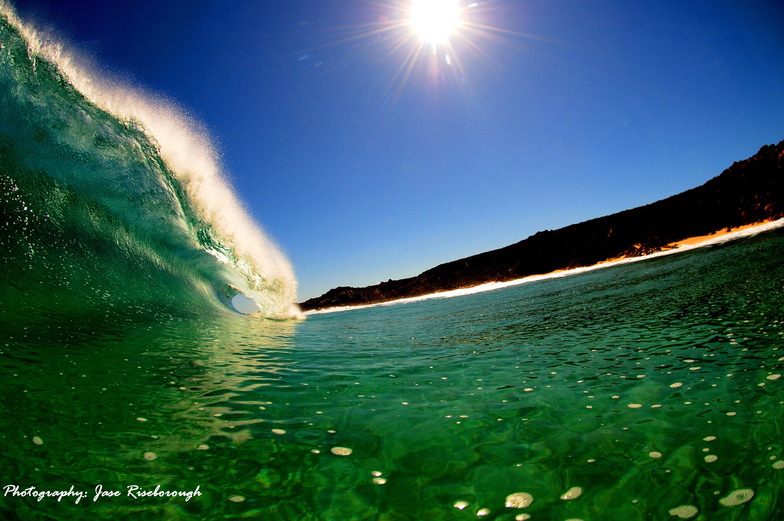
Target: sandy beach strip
{"points": [[691, 241]]}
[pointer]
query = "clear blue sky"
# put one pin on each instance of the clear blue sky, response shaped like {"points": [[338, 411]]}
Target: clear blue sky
{"points": [[366, 164]]}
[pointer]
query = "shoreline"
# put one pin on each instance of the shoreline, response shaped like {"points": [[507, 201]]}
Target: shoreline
{"points": [[690, 243]]}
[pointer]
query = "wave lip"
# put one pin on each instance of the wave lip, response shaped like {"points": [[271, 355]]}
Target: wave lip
{"points": [[149, 171]]}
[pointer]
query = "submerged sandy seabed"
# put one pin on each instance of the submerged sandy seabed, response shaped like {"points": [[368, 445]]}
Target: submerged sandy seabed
{"points": [[691, 243]]}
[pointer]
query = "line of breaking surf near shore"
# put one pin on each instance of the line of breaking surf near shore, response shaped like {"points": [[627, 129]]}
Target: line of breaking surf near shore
{"points": [[684, 245]]}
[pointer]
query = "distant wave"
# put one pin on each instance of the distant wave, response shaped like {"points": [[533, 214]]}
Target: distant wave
{"points": [[108, 191]]}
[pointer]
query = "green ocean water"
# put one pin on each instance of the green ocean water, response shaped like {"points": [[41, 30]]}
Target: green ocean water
{"points": [[649, 390], [650, 386]]}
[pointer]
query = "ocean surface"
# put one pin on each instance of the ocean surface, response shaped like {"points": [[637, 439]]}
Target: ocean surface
{"points": [[131, 387], [650, 390]]}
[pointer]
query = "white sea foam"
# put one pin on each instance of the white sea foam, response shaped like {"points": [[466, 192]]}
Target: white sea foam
{"points": [[490, 286]]}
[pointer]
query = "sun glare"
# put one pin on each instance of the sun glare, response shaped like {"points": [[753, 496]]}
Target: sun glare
{"points": [[432, 41], [434, 21]]}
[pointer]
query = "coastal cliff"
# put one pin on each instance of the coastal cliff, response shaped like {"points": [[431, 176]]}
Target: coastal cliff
{"points": [[749, 191]]}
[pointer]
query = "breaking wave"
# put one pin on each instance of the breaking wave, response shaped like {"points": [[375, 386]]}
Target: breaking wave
{"points": [[112, 199]]}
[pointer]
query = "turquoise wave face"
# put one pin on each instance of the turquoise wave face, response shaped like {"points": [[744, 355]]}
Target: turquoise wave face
{"points": [[93, 217]]}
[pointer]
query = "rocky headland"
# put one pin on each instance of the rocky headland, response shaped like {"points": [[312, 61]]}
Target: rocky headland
{"points": [[749, 191]]}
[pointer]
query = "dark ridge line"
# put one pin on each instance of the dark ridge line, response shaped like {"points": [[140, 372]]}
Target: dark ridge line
{"points": [[749, 191]]}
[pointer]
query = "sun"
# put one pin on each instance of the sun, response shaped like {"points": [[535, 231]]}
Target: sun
{"points": [[434, 21], [431, 43]]}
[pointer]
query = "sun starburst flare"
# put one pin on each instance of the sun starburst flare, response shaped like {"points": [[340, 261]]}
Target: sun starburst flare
{"points": [[434, 21], [433, 42]]}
